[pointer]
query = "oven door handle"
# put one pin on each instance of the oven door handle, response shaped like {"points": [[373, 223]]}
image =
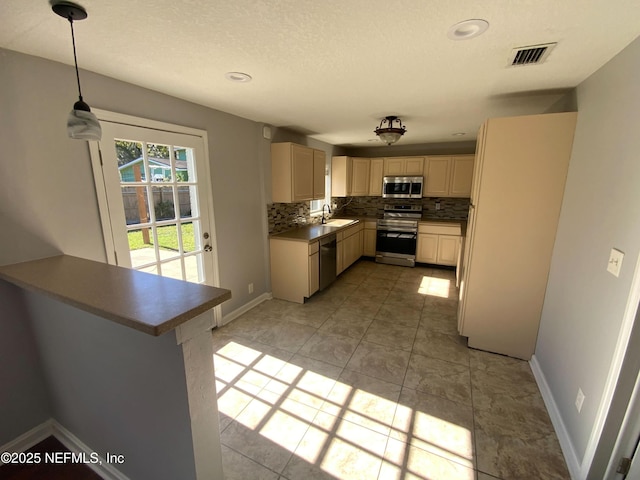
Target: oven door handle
{"points": [[397, 229], [403, 235]]}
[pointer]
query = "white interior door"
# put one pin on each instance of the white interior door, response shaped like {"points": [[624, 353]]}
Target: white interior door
{"points": [[156, 203]]}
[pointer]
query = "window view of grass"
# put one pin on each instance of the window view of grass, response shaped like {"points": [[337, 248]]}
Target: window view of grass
{"points": [[167, 238]]}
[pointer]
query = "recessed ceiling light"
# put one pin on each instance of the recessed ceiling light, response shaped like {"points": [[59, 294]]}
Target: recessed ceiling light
{"points": [[467, 29], [238, 77], [458, 134]]}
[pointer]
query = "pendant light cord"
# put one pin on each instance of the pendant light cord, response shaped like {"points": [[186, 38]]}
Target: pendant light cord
{"points": [[75, 59]]}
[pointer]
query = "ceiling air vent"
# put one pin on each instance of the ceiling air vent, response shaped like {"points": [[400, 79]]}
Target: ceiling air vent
{"points": [[531, 55]]}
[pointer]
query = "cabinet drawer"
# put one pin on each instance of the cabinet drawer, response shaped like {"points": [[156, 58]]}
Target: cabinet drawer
{"points": [[439, 228], [352, 230], [314, 248], [370, 225]]}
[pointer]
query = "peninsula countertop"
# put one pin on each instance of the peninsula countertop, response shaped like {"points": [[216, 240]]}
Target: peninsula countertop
{"points": [[143, 301]]}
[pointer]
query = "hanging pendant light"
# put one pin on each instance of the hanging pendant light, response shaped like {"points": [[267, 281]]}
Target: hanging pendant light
{"points": [[390, 134], [81, 124]]}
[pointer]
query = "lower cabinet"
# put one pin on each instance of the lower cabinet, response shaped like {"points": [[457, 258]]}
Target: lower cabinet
{"points": [[350, 246], [295, 269], [438, 243], [448, 248], [295, 264], [427, 250], [369, 240]]}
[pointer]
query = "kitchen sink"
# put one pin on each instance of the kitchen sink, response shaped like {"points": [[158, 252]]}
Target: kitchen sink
{"points": [[340, 222]]}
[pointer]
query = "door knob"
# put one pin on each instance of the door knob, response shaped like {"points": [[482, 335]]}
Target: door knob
{"points": [[207, 248], [205, 235]]}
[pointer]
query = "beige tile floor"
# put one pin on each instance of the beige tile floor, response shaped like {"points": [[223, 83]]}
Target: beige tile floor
{"points": [[369, 380]]}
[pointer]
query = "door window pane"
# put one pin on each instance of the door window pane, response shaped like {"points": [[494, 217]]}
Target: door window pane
{"points": [[130, 161], [172, 269], [168, 241], [184, 165], [188, 201], [190, 237], [152, 269], [136, 205], [193, 268], [163, 203]]}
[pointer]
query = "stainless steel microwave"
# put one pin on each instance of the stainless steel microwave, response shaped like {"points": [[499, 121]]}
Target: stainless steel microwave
{"points": [[402, 187]]}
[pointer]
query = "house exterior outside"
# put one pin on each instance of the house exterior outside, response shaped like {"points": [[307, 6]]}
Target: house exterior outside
{"points": [[159, 168]]}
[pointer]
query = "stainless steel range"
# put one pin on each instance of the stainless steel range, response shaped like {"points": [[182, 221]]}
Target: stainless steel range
{"points": [[398, 235]]}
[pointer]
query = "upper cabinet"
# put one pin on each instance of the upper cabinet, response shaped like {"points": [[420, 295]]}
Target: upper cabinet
{"points": [[319, 173], [448, 176], [438, 177], [444, 175], [355, 177], [461, 175], [297, 173], [360, 177], [376, 171], [401, 166]]}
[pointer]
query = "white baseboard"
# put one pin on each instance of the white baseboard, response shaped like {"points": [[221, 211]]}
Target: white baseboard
{"points": [[29, 439], [69, 440], [106, 470], [573, 464], [246, 307]]}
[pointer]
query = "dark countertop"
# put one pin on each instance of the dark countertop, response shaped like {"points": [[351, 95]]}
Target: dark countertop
{"points": [[310, 233]]}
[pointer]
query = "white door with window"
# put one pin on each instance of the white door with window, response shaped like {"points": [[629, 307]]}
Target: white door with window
{"points": [[153, 189]]}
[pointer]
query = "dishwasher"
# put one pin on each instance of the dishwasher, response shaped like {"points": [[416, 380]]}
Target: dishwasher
{"points": [[328, 254]]}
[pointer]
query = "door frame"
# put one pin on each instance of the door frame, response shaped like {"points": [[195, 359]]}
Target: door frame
{"points": [[626, 443], [105, 220], [617, 425]]}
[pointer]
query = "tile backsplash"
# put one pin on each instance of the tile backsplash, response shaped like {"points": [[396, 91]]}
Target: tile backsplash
{"points": [[285, 216], [450, 208]]}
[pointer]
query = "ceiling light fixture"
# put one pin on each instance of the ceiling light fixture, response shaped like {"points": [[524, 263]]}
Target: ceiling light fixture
{"points": [[238, 77], [390, 134], [459, 134], [81, 124], [467, 29]]}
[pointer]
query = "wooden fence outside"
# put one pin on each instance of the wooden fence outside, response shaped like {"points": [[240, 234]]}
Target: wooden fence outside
{"points": [[162, 202]]}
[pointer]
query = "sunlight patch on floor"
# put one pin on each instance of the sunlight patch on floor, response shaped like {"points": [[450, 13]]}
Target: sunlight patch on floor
{"points": [[348, 432], [437, 287]]}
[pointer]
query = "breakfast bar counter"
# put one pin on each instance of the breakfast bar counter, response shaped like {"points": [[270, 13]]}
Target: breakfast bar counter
{"points": [[143, 301]]}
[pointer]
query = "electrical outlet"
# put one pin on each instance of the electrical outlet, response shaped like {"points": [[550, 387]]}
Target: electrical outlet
{"points": [[251, 288], [437, 205], [579, 400]]}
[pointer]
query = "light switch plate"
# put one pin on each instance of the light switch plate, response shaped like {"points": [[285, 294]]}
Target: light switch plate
{"points": [[615, 262]]}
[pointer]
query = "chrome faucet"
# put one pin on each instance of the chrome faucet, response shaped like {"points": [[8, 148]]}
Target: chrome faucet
{"points": [[324, 219]]}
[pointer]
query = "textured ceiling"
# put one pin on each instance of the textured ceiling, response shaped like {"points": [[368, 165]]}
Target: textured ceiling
{"points": [[332, 69]]}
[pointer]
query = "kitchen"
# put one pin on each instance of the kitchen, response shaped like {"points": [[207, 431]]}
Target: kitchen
{"points": [[507, 171], [361, 185]]}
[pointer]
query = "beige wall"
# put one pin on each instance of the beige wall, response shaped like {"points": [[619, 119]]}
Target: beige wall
{"points": [[585, 305]]}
